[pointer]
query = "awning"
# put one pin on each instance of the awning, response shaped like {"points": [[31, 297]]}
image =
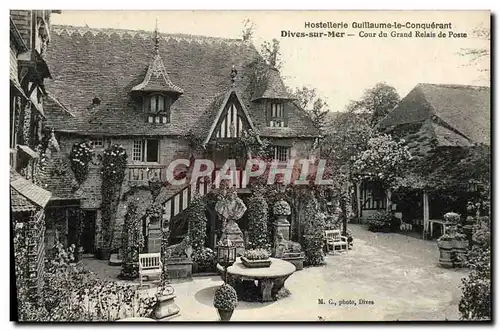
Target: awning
{"points": [[27, 150], [30, 191]]}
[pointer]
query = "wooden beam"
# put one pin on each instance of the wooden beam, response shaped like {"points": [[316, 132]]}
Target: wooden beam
{"points": [[358, 201], [425, 197], [388, 200]]}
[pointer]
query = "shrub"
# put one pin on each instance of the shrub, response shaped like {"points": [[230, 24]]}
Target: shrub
{"points": [[197, 223], [73, 293], [225, 297], [256, 254], [257, 221], [313, 234], [281, 208], [206, 259], [383, 221], [452, 217], [481, 235], [475, 303]]}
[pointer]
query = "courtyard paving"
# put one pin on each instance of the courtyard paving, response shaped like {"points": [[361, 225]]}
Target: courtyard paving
{"points": [[398, 277]]}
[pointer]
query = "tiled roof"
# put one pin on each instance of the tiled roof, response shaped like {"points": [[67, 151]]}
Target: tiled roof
{"points": [[32, 193], [272, 87], [18, 203], [58, 177], [464, 108], [107, 64]]}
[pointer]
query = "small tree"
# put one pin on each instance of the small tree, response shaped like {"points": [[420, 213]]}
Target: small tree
{"points": [[377, 101], [314, 107], [257, 221], [132, 242], [248, 29], [384, 160], [270, 51], [313, 233]]}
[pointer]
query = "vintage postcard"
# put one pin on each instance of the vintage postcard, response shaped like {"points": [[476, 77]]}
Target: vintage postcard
{"points": [[206, 166]]}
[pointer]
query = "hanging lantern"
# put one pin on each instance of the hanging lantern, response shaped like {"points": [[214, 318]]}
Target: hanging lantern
{"points": [[226, 251]]}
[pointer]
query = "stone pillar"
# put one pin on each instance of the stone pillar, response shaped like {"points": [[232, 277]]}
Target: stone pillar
{"points": [[280, 226], [154, 238]]}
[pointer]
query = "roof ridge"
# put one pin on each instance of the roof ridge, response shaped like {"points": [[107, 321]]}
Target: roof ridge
{"points": [[473, 87], [81, 30]]}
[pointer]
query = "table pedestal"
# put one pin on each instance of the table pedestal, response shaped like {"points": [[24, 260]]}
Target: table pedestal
{"points": [[261, 284]]}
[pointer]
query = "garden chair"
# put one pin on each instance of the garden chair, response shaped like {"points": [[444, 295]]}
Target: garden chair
{"points": [[335, 239], [150, 265]]}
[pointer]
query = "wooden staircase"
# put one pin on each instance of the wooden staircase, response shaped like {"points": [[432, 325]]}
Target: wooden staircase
{"points": [[180, 201]]}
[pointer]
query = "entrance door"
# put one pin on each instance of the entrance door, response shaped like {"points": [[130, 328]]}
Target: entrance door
{"points": [[88, 232]]}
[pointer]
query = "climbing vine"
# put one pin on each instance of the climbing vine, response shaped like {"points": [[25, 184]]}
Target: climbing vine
{"points": [[197, 223], [80, 156], [132, 242], [113, 173]]}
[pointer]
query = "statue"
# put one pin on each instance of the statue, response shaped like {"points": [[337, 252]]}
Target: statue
{"points": [[285, 247], [289, 251], [231, 208]]}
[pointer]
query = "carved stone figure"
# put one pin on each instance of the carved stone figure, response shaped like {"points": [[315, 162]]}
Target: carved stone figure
{"points": [[231, 208], [180, 250], [285, 247]]}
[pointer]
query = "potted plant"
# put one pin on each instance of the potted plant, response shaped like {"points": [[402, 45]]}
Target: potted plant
{"points": [[204, 260], [452, 218], [445, 241], [281, 210], [460, 241], [256, 258], [225, 301]]}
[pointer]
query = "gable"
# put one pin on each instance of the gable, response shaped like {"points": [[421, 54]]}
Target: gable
{"points": [[231, 120]]}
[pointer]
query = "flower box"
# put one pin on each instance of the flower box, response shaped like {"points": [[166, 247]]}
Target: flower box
{"points": [[255, 263]]}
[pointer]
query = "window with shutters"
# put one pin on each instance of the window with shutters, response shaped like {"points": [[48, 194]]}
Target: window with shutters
{"points": [[277, 115], [157, 107]]}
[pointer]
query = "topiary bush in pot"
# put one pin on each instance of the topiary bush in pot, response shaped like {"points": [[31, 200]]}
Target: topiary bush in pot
{"points": [[225, 301]]}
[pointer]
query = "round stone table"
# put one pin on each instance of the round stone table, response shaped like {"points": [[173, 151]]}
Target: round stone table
{"points": [[270, 280]]}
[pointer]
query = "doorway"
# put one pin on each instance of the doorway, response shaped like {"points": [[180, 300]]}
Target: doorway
{"points": [[88, 232]]}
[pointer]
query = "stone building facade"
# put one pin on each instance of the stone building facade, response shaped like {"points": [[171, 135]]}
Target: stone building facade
{"points": [[29, 39], [161, 97]]}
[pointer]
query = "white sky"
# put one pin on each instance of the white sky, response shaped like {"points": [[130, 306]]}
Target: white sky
{"points": [[339, 68]]}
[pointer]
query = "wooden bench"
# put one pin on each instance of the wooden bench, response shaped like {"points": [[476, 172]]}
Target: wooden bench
{"points": [[335, 239], [150, 265]]}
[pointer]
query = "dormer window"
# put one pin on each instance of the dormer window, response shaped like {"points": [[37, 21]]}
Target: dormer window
{"points": [[277, 115], [157, 106]]}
